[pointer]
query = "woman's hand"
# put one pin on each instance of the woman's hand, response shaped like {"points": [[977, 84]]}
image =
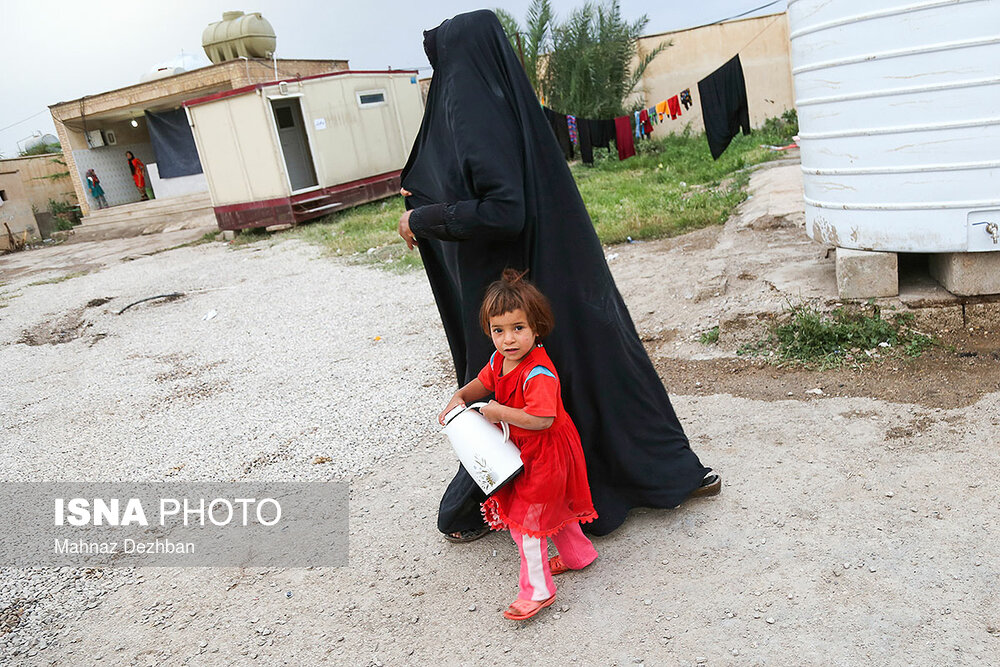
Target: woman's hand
{"points": [[455, 401], [492, 411], [404, 230]]}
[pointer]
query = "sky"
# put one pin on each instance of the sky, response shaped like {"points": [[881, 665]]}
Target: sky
{"points": [[58, 50]]}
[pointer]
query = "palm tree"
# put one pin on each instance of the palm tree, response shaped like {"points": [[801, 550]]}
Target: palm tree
{"points": [[588, 71], [530, 43]]}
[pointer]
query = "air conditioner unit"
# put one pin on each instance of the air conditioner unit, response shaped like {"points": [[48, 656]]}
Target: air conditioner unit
{"points": [[95, 138]]}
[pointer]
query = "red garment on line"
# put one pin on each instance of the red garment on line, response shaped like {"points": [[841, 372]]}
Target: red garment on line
{"points": [[647, 125], [674, 106], [623, 138], [553, 491]]}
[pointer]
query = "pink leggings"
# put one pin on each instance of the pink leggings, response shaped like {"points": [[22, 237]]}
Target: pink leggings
{"points": [[536, 579]]}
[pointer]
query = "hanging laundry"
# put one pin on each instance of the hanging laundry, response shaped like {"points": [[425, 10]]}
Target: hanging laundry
{"points": [[557, 121], [571, 124], [674, 106], [638, 126], [661, 109], [623, 137], [724, 105], [686, 98], [652, 115], [647, 127], [602, 133], [586, 147]]}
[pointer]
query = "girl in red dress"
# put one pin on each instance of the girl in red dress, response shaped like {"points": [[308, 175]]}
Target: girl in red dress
{"points": [[137, 168], [551, 498]]}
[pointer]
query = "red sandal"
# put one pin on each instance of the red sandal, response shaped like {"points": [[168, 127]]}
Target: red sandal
{"points": [[520, 609], [557, 566]]}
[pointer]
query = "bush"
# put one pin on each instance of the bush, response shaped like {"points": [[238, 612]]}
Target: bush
{"points": [[780, 130], [66, 214]]}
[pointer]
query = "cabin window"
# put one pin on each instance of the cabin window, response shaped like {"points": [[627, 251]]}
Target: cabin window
{"points": [[371, 98], [283, 116], [3, 195]]}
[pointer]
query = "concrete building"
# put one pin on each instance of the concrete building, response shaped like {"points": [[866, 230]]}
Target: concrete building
{"points": [[27, 184], [15, 208], [97, 130], [763, 46], [44, 177], [287, 151]]}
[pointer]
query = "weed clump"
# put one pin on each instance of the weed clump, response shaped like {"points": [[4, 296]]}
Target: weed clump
{"points": [[710, 337], [856, 336]]}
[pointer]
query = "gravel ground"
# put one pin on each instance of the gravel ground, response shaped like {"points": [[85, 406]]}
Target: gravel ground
{"points": [[850, 530]]}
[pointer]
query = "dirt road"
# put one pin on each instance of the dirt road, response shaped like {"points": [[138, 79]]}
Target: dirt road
{"points": [[856, 525]]}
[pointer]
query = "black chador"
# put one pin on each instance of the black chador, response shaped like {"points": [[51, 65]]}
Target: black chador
{"points": [[491, 189]]}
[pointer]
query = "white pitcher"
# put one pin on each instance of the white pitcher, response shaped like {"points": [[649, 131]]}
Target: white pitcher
{"points": [[485, 451]]}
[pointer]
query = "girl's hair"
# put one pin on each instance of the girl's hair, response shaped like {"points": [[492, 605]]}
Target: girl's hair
{"points": [[513, 292]]}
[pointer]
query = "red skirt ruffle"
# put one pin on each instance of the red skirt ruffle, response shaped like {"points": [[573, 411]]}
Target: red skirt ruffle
{"points": [[551, 492]]}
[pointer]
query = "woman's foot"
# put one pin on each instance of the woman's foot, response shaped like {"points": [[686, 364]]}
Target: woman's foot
{"points": [[470, 535], [520, 609], [710, 486]]}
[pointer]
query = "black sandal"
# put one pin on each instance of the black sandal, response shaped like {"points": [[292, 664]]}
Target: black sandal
{"points": [[463, 536], [710, 486]]}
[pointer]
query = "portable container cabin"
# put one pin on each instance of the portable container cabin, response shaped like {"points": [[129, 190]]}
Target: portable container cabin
{"points": [[289, 151]]}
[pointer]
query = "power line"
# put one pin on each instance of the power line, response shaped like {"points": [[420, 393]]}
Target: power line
{"points": [[24, 121], [749, 11]]}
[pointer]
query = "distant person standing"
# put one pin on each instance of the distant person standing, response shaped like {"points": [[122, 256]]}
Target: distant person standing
{"points": [[138, 174], [96, 191]]}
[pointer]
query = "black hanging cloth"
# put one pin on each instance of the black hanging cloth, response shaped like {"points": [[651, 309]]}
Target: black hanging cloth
{"points": [[724, 105]]}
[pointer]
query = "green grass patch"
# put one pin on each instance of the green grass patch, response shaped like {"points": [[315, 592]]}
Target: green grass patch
{"points": [[670, 187], [710, 337], [856, 336], [60, 279]]}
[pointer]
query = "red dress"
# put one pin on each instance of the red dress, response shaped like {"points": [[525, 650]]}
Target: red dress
{"points": [[553, 490]]}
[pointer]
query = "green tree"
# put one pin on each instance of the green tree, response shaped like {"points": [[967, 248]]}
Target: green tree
{"points": [[531, 42], [588, 70]]}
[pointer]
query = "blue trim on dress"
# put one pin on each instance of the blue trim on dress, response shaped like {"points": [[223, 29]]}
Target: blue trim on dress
{"points": [[537, 370]]}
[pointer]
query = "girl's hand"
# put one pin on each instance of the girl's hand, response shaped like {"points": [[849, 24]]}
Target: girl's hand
{"points": [[405, 192], [492, 411], [452, 404]]}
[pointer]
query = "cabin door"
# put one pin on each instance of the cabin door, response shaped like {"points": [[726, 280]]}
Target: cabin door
{"points": [[294, 144]]}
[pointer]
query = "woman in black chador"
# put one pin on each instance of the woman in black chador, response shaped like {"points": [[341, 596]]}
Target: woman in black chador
{"points": [[488, 188]]}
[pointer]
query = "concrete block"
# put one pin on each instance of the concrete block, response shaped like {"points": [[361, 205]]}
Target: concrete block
{"points": [[229, 234], [967, 273], [864, 274], [983, 316]]}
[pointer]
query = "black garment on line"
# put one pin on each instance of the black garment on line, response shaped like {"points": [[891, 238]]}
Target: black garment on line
{"points": [[602, 133], [173, 143], [491, 190], [586, 148], [557, 121], [724, 105]]}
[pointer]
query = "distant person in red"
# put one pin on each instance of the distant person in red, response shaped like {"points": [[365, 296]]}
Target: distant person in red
{"points": [[137, 168]]}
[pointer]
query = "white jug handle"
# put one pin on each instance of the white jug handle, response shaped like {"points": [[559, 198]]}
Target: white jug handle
{"points": [[503, 424]]}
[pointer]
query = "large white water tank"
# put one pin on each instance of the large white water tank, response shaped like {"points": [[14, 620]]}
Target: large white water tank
{"points": [[899, 122], [238, 35]]}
